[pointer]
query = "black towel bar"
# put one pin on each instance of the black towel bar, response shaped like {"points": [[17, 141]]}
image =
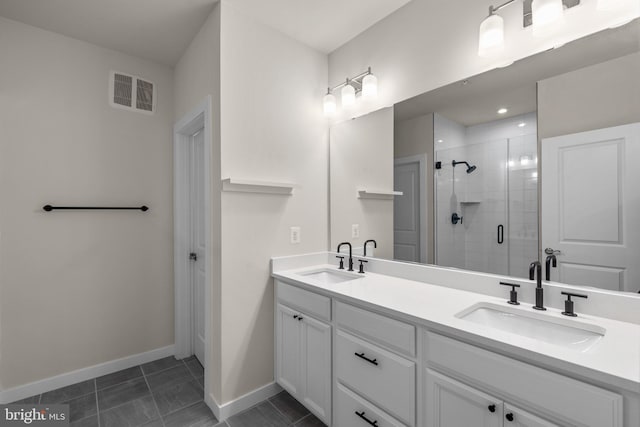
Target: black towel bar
{"points": [[49, 208]]}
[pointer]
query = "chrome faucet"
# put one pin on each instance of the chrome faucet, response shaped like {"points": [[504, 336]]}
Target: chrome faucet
{"points": [[535, 268], [547, 266], [350, 254], [375, 245]]}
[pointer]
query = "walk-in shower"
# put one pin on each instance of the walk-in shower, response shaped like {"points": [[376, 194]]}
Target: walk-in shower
{"points": [[487, 218]]}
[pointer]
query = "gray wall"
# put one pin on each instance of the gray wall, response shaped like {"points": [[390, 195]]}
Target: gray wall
{"points": [[80, 288], [595, 97]]}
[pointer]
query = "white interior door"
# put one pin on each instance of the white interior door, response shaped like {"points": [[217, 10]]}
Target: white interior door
{"points": [[591, 207], [198, 241], [406, 212]]}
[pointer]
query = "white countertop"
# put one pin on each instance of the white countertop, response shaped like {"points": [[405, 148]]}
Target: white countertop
{"points": [[613, 360]]}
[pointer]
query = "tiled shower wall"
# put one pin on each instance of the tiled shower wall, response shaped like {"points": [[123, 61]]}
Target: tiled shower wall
{"points": [[501, 191]]}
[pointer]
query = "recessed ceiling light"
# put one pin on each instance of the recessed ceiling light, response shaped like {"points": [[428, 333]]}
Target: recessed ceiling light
{"points": [[521, 125], [440, 140], [502, 111]]}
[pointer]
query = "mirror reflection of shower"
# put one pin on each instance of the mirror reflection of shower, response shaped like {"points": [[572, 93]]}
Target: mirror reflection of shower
{"points": [[470, 168], [494, 202]]}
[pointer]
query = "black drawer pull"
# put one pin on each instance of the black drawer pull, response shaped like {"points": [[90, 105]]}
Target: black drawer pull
{"points": [[362, 356], [492, 408], [361, 415], [500, 234], [509, 417]]}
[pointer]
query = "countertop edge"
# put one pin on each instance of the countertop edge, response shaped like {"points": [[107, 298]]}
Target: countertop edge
{"points": [[519, 353]]}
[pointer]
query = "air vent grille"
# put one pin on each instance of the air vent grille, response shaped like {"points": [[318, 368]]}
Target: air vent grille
{"points": [[122, 89], [131, 93], [144, 99]]}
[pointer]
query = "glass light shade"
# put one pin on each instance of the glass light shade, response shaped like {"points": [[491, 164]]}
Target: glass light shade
{"points": [[348, 95], [329, 104], [545, 14], [491, 37], [369, 86]]}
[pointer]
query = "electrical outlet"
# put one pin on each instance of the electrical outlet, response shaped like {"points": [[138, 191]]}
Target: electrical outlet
{"points": [[355, 231], [295, 235]]}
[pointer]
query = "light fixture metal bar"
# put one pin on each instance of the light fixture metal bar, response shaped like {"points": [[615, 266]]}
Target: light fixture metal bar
{"points": [[356, 79], [493, 10]]}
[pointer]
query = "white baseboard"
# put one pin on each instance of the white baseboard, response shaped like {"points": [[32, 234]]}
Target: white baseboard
{"points": [[229, 409], [63, 380]]}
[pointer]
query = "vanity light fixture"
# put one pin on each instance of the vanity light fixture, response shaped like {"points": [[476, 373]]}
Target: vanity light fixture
{"points": [[491, 38], [543, 15], [329, 103], [370, 86], [348, 94], [365, 83]]}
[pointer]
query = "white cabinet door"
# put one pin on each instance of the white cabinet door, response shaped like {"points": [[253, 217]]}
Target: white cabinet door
{"points": [[316, 367], [288, 339], [453, 404], [516, 417]]}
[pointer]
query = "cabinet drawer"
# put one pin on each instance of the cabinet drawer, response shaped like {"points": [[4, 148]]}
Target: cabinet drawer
{"points": [[392, 333], [385, 379], [551, 394], [352, 410], [310, 303]]}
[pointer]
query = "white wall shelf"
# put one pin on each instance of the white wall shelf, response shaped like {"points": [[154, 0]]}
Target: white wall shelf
{"points": [[252, 186], [382, 195]]}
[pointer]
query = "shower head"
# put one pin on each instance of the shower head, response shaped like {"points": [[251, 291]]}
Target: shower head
{"points": [[470, 168]]}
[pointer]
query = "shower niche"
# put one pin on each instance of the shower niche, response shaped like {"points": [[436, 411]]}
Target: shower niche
{"points": [[486, 194]]}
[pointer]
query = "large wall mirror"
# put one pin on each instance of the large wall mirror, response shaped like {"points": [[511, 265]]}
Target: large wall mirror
{"points": [[505, 168]]}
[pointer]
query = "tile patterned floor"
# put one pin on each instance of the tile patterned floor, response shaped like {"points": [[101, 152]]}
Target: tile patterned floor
{"points": [[164, 393]]}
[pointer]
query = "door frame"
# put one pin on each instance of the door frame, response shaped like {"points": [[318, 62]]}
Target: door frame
{"points": [[198, 118], [421, 159]]}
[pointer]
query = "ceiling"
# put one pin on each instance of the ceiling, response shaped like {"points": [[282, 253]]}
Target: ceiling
{"points": [[160, 30], [324, 25], [477, 99]]}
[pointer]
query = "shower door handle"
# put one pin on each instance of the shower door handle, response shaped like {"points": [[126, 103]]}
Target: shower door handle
{"points": [[500, 234]]}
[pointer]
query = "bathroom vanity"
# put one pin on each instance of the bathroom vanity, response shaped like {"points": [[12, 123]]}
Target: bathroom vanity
{"points": [[415, 345]]}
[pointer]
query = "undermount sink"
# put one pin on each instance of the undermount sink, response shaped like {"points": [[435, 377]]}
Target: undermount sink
{"points": [[330, 277], [566, 333]]}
